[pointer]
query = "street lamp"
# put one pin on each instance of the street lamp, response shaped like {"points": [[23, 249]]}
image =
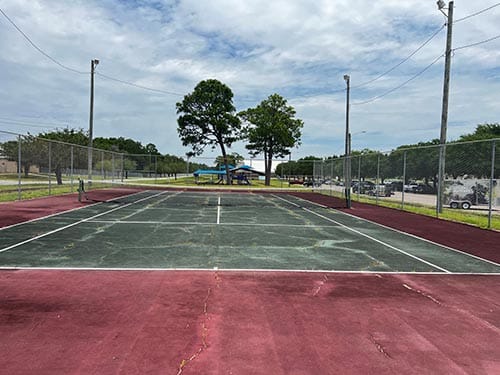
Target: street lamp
{"points": [[444, 112], [347, 171], [93, 64]]}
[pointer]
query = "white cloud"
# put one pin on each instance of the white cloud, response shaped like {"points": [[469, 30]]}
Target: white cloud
{"points": [[300, 49]]}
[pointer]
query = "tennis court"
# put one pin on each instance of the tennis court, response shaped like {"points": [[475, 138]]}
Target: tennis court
{"points": [[161, 281], [189, 230]]}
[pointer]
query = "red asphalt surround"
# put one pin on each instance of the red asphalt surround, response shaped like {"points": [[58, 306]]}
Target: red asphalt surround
{"points": [[209, 322], [467, 238], [25, 210]]}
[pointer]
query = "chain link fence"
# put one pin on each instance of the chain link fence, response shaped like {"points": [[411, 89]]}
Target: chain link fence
{"points": [[408, 178], [405, 178]]}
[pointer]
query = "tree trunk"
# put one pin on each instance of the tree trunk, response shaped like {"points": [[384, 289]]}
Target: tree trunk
{"points": [[58, 173], [224, 157], [268, 160]]}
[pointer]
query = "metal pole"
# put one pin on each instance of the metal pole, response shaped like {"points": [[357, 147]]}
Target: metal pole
{"points": [[122, 165], [19, 167], [93, 64], [50, 167], [378, 180], [404, 181], [492, 177], [444, 111], [71, 172], [347, 148], [359, 176]]}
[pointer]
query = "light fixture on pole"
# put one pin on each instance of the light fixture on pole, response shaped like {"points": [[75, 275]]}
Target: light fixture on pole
{"points": [[93, 64], [347, 164], [444, 111]]}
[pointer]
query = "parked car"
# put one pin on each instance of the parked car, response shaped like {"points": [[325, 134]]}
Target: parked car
{"points": [[410, 188], [363, 187], [381, 191], [424, 189]]}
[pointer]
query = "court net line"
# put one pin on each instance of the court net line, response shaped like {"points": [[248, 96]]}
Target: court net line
{"points": [[76, 223], [186, 223], [368, 236]]}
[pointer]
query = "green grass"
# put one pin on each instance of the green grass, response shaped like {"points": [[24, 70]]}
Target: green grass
{"points": [[479, 219]]}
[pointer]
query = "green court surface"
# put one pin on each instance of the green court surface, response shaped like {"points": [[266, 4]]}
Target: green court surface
{"points": [[189, 230]]}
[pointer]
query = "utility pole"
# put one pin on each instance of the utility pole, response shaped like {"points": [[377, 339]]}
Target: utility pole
{"points": [[347, 163], [93, 64], [444, 112]]}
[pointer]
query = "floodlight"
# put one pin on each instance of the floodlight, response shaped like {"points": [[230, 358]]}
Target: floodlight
{"points": [[346, 78], [96, 61], [441, 4]]}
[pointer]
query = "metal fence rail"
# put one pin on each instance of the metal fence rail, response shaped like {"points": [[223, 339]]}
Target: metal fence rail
{"points": [[403, 178]]}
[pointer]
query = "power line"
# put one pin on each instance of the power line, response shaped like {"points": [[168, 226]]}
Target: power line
{"points": [[478, 43], [403, 61], [78, 71], [401, 85], [29, 125], [138, 86], [38, 48], [477, 13]]}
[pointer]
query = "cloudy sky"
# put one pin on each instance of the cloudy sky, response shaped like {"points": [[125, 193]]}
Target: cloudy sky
{"points": [[300, 49]]}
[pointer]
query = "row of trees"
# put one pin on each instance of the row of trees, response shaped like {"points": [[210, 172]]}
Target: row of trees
{"points": [[207, 117], [52, 151], [466, 157]]}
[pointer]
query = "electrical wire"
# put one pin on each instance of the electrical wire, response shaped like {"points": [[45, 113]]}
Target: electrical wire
{"points": [[138, 86], [21, 123], [476, 14], [476, 44], [403, 61], [401, 85], [39, 49]]}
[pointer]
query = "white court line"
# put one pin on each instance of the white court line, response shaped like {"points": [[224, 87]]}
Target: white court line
{"points": [[407, 234], [371, 238], [76, 223], [252, 270], [64, 212], [218, 210]]}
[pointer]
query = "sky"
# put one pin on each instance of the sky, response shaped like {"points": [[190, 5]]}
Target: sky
{"points": [[297, 48]]}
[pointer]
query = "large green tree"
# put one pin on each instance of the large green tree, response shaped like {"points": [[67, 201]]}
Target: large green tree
{"points": [[272, 130], [207, 118]]}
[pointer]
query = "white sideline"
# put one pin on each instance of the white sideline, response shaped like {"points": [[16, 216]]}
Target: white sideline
{"points": [[369, 237], [76, 223]]}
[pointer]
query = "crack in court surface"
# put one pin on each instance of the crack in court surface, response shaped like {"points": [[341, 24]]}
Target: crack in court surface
{"points": [[204, 328]]}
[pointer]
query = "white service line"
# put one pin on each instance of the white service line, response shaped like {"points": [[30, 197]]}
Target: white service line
{"points": [[76, 223], [218, 210], [370, 237]]}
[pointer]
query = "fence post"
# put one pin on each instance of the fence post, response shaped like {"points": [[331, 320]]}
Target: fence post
{"points": [[19, 167], [378, 179], [113, 167], [50, 167], [492, 177], [404, 181], [359, 176], [71, 168], [122, 171]]}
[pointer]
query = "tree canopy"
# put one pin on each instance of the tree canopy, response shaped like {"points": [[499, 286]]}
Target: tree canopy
{"points": [[207, 118], [272, 130]]}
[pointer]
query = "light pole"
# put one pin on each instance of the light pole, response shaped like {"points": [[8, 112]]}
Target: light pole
{"points": [[93, 64], [347, 171], [444, 113]]}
